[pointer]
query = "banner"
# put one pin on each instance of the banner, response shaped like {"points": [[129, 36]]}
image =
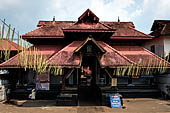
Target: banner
{"points": [[42, 81], [114, 82]]}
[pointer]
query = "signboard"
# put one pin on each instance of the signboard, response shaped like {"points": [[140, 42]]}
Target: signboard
{"points": [[42, 81], [115, 101]]}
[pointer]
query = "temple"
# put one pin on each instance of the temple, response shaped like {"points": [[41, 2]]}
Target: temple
{"points": [[90, 52]]}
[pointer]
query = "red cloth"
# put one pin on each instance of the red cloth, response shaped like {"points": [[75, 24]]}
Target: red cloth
{"points": [[87, 70]]}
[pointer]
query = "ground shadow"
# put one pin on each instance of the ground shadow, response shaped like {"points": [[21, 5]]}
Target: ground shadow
{"points": [[168, 104], [38, 103]]}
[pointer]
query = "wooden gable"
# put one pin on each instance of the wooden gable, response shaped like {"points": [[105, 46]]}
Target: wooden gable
{"points": [[88, 17], [88, 45]]}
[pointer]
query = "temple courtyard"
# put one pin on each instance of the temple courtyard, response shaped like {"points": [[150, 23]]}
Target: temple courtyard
{"points": [[131, 105]]}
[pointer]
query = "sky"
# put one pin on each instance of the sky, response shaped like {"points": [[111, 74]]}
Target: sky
{"points": [[25, 14]]}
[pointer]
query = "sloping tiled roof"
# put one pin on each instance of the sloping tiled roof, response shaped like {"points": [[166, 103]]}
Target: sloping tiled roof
{"points": [[88, 26], [141, 56], [126, 30], [6, 44], [46, 50], [161, 27], [112, 57], [48, 29], [66, 56], [87, 22], [54, 29], [60, 24]]}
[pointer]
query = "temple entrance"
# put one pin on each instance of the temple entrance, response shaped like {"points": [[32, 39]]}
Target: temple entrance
{"points": [[88, 90]]}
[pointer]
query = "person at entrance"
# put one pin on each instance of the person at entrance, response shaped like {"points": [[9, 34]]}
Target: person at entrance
{"points": [[88, 74]]}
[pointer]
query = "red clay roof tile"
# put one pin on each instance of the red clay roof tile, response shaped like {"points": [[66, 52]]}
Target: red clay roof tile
{"points": [[96, 26], [141, 56], [48, 29], [66, 56], [6, 44], [54, 29], [46, 50], [112, 57]]}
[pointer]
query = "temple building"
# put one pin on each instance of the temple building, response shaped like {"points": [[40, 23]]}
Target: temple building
{"points": [[160, 44], [96, 58]]}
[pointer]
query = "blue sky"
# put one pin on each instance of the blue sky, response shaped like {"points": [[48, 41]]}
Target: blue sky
{"points": [[25, 14]]}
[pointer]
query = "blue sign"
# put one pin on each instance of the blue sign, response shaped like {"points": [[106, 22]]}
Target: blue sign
{"points": [[115, 101]]}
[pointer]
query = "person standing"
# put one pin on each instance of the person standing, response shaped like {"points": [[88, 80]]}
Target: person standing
{"points": [[33, 94], [89, 75]]}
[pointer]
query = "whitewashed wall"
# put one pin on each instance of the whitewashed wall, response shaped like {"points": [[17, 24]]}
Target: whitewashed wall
{"points": [[159, 45], [167, 44]]}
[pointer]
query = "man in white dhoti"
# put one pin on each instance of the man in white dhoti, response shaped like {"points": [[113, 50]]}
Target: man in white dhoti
{"points": [[33, 94]]}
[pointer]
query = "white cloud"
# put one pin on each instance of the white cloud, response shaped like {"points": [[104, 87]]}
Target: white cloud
{"points": [[4, 4], [163, 8], [156, 8], [24, 14], [112, 9], [150, 10]]}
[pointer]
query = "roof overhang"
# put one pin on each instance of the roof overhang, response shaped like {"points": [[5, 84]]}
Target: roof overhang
{"points": [[131, 37], [44, 37], [88, 30]]}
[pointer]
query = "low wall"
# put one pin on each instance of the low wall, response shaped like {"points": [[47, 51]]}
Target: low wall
{"points": [[2, 93], [163, 82]]}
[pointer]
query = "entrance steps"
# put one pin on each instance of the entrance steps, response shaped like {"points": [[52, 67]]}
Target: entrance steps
{"points": [[23, 93]]}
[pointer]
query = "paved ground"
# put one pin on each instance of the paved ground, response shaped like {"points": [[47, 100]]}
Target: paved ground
{"points": [[144, 105]]}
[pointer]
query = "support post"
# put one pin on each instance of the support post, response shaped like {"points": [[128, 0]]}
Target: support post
{"points": [[77, 76], [114, 83]]}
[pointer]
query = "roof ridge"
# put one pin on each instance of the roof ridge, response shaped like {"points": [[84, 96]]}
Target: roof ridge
{"points": [[117, 21], [140, 32], [70, 26], [106, 25], [56, 21], [76, 21]]}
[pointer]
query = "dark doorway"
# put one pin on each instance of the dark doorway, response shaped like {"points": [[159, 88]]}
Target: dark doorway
{"points": [[88, 90]]}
